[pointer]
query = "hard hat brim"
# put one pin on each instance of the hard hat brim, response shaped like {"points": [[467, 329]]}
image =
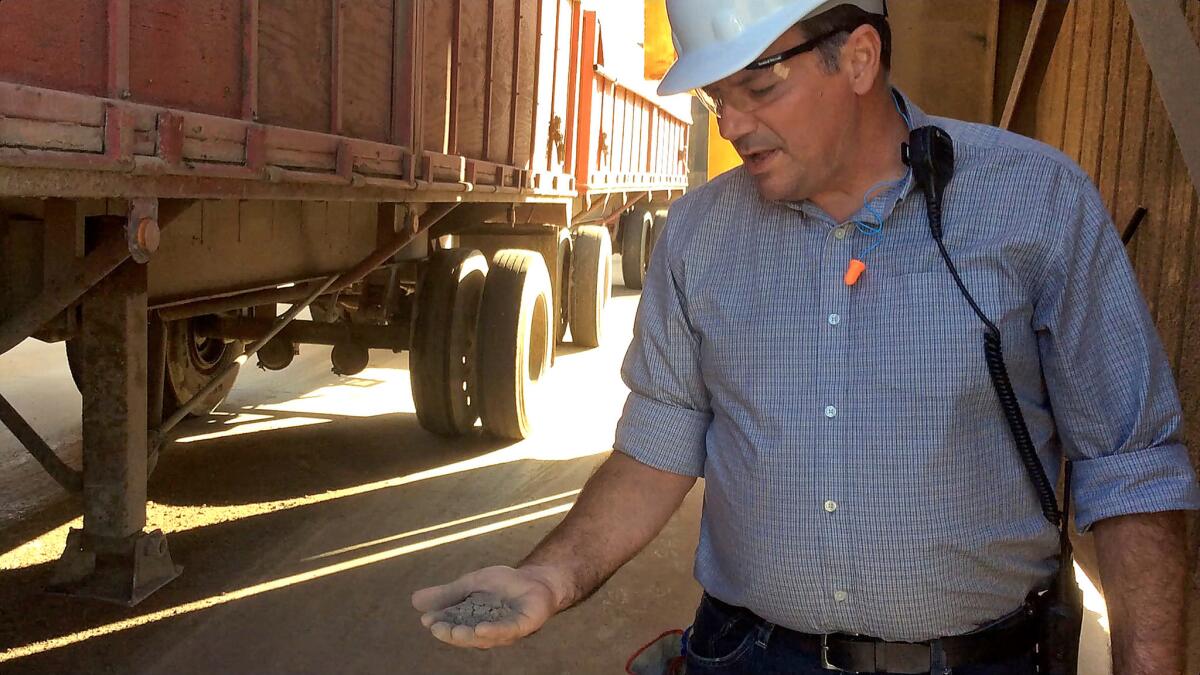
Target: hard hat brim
{"points": [[701, 68]]}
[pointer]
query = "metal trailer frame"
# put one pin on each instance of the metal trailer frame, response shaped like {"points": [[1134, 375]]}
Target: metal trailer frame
{"points": [[134, 191]]}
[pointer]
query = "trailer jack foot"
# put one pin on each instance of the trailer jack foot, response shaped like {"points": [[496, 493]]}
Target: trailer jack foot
{"points": [[122, 571]]}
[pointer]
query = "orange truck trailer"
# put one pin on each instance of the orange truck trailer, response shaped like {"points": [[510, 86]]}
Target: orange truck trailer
{"points": [[180, 180]]}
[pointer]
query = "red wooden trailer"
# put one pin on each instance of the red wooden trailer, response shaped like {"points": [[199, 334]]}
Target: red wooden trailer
{"points": [[180, 180], [632, 152]]}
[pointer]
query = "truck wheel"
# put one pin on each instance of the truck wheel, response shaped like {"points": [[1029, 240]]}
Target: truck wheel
{"points": [[636, 245], [591, 284], [514, 341], [442, 358], [566, 251], [660, 226], [191, 363]]}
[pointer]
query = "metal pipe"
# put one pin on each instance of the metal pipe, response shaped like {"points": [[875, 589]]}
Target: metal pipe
{"points": [[612, 218], [305, 332], [229, 303], [70, 479]]}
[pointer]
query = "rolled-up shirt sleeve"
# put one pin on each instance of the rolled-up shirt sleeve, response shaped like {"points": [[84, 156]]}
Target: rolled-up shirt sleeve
{"points": [[667, 415], [1110, 385]]}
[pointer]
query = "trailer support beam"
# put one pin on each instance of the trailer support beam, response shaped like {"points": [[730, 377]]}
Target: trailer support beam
{"points": [[112, 558]]}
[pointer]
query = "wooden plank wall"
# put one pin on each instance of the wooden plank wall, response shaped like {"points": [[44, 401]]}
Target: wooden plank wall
{"points": [[925, 32], [202, 72], [295, 57], [1100, 106]]}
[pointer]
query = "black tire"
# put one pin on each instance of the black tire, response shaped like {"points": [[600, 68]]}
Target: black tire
{"points": [[637, 227], [514, 341], [442, 354], [566, 255], [660, 226], [591, 284], [191, 363]]}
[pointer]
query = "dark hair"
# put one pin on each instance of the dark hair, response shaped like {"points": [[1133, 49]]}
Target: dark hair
{"points": [[842, 20]]}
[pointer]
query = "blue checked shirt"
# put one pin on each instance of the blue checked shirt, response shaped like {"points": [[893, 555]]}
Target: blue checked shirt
{"points": [[859, 474]]}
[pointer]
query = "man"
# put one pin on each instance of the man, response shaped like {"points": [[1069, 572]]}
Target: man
{"points": [[861, 479]]}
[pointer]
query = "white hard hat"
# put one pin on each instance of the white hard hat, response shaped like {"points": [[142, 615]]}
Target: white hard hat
{"points": [[717, 38]]}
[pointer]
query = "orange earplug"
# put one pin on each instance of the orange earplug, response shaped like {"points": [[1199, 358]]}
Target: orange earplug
{"points": [[854, 271]]}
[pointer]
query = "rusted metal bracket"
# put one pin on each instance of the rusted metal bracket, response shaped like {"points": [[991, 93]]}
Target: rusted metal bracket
{"points": [[1174, 59], [70, 479], [63, 292], [394, 338], [124, 572]]}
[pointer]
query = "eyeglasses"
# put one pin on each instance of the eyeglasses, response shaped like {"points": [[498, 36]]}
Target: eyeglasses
{"points": [[762, 82]]}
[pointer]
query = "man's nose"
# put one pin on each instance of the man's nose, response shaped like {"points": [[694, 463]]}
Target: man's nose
{"points": [[735, 124]]}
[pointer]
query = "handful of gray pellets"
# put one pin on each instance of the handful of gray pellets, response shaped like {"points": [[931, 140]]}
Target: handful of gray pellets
{"points": [[477, 608]]}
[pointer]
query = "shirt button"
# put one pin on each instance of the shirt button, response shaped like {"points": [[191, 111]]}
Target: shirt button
{"points": [[839, 233], [835, 319], [830, 506], [830, 411], [840, 596]]}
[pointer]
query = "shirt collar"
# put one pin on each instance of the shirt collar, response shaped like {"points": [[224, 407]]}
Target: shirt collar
{"points": [[884, 200]]}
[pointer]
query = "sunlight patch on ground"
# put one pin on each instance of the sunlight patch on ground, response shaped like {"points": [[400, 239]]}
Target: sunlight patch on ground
{"points": [[274, 585], [176, 518], [443, 526], [249, 424], [373, 392]]}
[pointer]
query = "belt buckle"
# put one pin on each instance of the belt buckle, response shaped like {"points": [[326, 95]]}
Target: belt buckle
{"points": [[825, 655]]}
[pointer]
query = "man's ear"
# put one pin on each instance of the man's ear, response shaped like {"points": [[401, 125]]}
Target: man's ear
{"points": [[864, 53]]}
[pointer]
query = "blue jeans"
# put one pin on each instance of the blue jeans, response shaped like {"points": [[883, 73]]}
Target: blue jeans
{"points": [[724, 643]]}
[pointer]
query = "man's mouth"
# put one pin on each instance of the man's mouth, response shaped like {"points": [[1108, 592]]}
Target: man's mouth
{"points": [[757, 162]]}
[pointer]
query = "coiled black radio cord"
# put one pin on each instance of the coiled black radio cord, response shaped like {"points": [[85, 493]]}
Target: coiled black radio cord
{"points": [[1058, 609], [930, 153], [993, 354]]}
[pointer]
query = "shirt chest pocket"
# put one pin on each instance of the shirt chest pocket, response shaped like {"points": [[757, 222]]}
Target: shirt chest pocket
{"points": [[916, 335]]}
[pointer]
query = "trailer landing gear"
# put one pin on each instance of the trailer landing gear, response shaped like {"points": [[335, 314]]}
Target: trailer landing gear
{"points": [[123, 571], [112, 558]]}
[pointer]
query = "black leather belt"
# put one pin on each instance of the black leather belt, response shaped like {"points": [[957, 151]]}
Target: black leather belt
{"points": [[859, 654]]}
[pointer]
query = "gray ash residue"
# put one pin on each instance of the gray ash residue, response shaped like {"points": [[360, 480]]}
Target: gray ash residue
{"points": [[476, 609]]}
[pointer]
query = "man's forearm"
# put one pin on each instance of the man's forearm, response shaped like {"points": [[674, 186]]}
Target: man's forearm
{"points": [[622, 508], [1143, 564]]}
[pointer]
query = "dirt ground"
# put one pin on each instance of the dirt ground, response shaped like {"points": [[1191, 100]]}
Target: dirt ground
{"points": [[310, 507]]}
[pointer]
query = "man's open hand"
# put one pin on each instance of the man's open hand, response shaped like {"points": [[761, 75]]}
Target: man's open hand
{"points": [[527, 592]]}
